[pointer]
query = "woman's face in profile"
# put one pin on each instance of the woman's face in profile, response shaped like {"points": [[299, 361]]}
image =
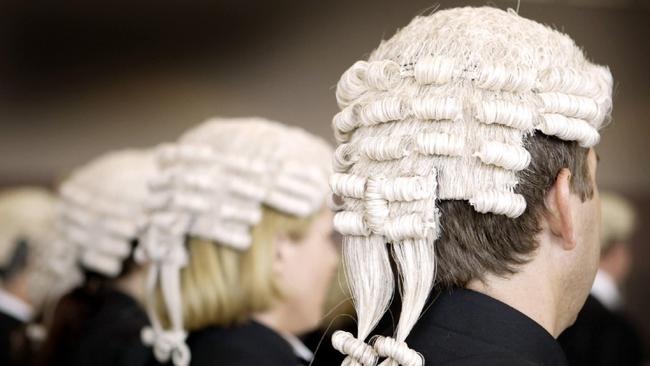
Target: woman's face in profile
{"points": [[310, 265]]}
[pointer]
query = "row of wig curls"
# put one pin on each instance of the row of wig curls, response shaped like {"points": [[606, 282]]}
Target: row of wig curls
{"points": [[249, 182], [503, 155], [384, 75], [571, 117], [565, 116], [561, 91], [393, 108], [376, 194], [494, 153], [194, 178], [397, 147], [108, 225]]}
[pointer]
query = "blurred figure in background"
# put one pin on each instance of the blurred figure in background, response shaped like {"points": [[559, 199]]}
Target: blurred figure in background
{"points": [[602, 334], [26, 229], [99, 322], [240, 244]]}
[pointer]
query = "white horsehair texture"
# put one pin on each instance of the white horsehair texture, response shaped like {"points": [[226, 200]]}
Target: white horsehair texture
{"points": [[212, 184], [103, 208], [441, 111]]}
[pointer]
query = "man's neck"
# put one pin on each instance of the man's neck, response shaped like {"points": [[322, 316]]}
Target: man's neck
{"points": [[529, 294]]}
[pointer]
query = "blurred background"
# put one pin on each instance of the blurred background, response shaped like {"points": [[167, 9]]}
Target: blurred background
{"points": [[80, 77]]}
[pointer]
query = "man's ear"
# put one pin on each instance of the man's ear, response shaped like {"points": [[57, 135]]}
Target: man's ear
{"points": [[559, 207]]}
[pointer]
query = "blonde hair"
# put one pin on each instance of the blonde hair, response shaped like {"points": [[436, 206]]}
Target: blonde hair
{"points": [[223, 286]]}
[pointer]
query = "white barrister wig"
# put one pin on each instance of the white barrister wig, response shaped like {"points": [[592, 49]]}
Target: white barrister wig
{"points": [[441, 111], [28, 215], [212, 184], [103, 208]]}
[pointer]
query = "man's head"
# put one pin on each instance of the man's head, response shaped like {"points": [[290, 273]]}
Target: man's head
{"points": [[472, 244], [466, 134]]}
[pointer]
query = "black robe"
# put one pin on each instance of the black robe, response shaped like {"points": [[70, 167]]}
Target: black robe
{"points": [[10, 329], [245, 345], [109, 336], [463, 328], [601, 337]]}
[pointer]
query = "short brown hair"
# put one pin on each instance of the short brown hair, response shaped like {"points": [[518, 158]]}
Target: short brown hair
{"points": [[473, 244]]}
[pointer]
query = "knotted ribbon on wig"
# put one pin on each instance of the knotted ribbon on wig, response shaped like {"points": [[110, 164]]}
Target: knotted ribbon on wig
{"points": [[358, 352], [164, 247], [167, 344]]}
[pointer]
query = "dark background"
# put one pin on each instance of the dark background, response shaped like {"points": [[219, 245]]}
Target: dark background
{"points": [[80, 77]]}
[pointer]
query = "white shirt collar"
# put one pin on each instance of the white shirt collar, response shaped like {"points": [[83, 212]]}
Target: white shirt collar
{"points": [[15, 307], [299, 348], [605, 290]]}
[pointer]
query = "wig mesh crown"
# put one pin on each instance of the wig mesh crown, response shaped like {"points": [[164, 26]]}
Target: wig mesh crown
{"points": [[212, 184], [441, 111], [103, 208]]}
